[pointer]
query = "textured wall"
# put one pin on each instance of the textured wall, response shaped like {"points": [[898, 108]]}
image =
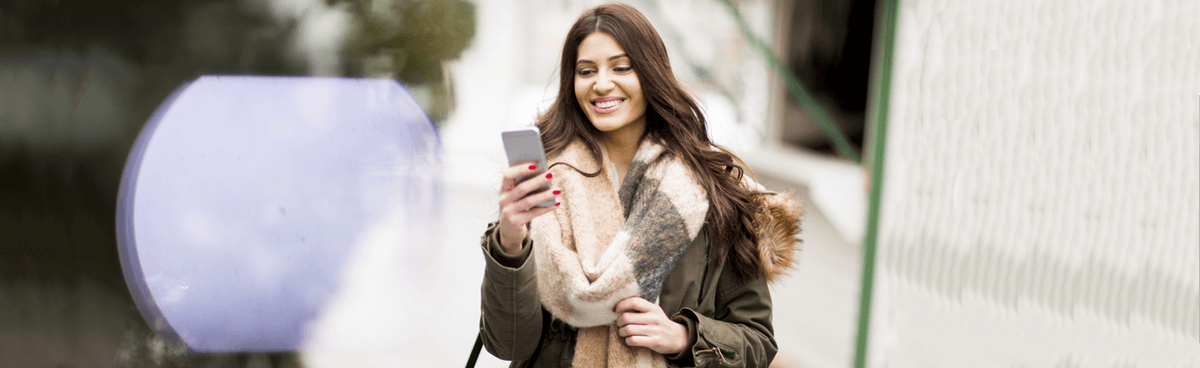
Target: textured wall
{"points": [[1040, 206]]}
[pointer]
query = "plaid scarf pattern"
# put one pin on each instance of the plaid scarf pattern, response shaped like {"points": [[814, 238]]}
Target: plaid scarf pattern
{"points": [[613, 239]]}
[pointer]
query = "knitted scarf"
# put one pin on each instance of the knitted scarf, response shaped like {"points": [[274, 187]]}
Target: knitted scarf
{"points": [[611, 242]]}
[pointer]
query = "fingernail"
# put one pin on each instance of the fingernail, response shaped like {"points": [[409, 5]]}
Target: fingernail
{"points": [[548, 175], [533, 167], [557, 203], [557, 192]]}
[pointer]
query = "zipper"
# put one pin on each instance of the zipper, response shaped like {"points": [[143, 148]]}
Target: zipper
{"points": [[716, 349], [720, 357]]}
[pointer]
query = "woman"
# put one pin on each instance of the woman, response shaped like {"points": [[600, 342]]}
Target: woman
{"points": [[659, 249]]}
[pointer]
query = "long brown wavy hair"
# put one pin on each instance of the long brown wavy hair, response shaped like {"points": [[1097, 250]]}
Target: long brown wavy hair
{"points": [[673, 119]]}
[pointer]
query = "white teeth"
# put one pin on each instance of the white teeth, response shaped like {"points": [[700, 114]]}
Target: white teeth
{"points": [[607, 104]]}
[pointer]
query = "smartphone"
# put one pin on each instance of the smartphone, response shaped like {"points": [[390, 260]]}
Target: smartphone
{"points": [[525, 145]]}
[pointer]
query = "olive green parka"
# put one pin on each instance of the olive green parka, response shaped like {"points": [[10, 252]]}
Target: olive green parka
{"points": [[728, 320]]}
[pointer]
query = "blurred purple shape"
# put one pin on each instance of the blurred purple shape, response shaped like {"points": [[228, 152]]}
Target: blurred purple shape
{"points": [[244, 199]]}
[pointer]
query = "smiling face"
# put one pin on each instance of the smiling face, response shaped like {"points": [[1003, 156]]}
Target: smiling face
{"points": [[608, 89]]}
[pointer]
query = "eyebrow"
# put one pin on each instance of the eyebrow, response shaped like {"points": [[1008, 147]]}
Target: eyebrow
{"points": [[614, 57]]}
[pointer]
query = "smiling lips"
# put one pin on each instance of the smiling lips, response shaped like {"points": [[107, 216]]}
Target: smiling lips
{"points": [[606, 105]]}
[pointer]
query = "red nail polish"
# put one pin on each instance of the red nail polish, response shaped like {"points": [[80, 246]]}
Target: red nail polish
{"points": [[548, 175], [557, 192], [556, 204], [533, 167]]}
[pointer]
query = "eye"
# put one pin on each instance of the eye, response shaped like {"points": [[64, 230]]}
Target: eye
{"points": [[623, 69], [585, 72]]}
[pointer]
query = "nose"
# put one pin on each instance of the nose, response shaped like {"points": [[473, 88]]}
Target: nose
{"points": [[604, 83]]}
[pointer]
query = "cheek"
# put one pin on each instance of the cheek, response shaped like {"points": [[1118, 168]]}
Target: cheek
{"points": [[640, 100], [580, 92], [634, 90]]}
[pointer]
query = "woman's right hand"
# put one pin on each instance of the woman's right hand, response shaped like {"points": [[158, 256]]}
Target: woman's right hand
{"points": [[516, 211]]}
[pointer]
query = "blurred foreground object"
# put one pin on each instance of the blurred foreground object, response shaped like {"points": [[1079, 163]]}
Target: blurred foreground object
{"points": [[1040, 200], [283, 214], [410, 41]]}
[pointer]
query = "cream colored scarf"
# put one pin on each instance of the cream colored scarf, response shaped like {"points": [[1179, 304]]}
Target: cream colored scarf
{"points": [[611, 242]]}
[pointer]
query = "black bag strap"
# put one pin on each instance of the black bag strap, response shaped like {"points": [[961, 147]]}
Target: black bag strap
{"points": [[475, 350]]}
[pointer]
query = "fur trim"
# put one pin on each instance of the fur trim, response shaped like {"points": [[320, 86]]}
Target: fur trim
{"points": [[778, 226]]}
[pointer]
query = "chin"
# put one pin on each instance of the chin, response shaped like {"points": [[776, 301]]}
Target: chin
{"points": [[607, 125]]}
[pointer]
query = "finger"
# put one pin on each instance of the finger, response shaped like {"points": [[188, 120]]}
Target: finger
{"points": [[643, 341], [633, 330], [520, 219], [535, 199], [634, 303], [510, 174], [523, 189], [635, 318], [534, 183], [530, 212], [625, 304], [625, 318], [513, 193], [526, 209], [516, 171]]}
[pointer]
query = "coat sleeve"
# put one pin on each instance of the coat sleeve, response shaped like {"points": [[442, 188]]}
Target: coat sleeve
{"points": [[511, 313], [738, 334]]}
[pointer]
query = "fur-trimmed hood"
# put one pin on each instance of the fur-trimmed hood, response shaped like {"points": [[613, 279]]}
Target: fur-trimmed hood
{"points": [[777, 225]]}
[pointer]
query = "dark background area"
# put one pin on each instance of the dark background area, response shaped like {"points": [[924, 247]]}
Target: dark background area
{"points": [[828, 48]]}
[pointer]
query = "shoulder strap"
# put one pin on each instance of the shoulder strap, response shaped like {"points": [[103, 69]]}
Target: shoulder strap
{"points": [[475, 350]]}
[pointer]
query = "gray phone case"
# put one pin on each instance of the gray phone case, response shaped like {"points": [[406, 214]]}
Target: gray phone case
{"points": [[525, 145]]}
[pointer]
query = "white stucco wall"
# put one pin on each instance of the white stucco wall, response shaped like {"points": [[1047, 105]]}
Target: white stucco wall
{"points": [[1040, 203]]}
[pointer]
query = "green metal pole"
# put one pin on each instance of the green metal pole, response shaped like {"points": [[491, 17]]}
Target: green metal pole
{"points": [[878, 146], [840, 143]]}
